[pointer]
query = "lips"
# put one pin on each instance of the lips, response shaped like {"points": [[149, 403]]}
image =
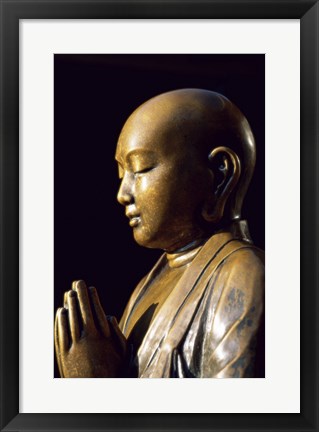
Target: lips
{"points": [[134, 218]]}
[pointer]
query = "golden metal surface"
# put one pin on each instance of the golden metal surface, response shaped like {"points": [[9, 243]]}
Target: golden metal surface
{"points": [[185, 161]]}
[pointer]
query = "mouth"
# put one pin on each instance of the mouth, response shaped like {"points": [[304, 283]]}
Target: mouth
{"points": [[134, 217]]}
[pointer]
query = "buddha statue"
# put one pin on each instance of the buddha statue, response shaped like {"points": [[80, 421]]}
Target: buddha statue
{"points": [[185, 159]]}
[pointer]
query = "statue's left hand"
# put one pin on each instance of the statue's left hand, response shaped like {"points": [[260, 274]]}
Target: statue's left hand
{"points": [[87, 344]]}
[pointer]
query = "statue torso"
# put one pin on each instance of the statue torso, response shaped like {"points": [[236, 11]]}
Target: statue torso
{"points": [[170, 323]]}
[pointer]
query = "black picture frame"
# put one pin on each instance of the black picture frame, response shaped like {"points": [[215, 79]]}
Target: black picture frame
{"points": [[11, 12]]}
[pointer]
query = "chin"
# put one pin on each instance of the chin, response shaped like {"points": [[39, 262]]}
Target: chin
{"points": [[147, 241]]}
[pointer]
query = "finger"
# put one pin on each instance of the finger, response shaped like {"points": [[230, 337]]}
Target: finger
{"points": [[100, 315], [65, 300], [119, 337], [84, 304], [63, 336], [57, 348], [73, 315]]}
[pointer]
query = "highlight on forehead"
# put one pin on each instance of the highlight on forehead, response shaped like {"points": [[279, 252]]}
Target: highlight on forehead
{"points": [[134, 153]]}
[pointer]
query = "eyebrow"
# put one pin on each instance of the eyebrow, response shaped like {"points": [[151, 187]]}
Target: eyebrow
{"points": [[136, 152]]}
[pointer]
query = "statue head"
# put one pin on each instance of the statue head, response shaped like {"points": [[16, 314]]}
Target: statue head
{"points": [[185, 160]]}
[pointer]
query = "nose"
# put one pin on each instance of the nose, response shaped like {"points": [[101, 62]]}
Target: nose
{"points": [[125, 193]]}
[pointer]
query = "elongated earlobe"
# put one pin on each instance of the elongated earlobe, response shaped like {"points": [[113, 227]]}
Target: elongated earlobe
{"points": [[226, 167]]}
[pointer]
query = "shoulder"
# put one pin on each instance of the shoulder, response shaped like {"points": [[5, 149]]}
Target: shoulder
{"points": [[248, 254], [243, 269]]}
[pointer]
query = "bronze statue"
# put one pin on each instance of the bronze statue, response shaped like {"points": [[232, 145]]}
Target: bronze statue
{"points": [[185, 161]]}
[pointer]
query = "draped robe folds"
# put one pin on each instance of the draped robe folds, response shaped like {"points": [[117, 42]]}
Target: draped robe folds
{"points": [[211, 323]]}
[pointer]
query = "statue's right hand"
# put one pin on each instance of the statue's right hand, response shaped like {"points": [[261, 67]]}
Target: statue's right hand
{"points": [[87, 344]]}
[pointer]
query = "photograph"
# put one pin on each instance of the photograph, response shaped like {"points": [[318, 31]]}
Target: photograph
{"points": [[159, 215]]}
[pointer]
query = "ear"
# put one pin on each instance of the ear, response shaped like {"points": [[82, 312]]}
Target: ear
{"points": [[225, 165]]}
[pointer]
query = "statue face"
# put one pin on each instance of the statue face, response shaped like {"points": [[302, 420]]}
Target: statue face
{"points": [[178, 161], [164, 182]]}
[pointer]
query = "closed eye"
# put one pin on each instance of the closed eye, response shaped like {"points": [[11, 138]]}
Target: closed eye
{"points": [[144, 170]]}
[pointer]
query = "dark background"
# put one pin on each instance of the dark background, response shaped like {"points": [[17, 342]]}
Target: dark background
{"points": [[93, 96]]}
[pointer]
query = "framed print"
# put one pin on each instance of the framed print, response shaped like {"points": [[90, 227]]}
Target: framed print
{"points": [[114, 83], [72, 72]]}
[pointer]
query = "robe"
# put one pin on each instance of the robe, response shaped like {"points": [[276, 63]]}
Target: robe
{"points": [[211, 323]]}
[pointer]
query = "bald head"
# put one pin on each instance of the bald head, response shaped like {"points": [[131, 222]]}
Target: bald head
{"points": [[196, 117], [196, 131]]}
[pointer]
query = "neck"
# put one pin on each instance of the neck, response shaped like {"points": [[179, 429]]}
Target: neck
{"points": [[184, 255], [189, 246]]}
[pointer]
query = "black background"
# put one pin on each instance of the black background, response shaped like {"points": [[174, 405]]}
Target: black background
{"points": [[93, 96]]}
